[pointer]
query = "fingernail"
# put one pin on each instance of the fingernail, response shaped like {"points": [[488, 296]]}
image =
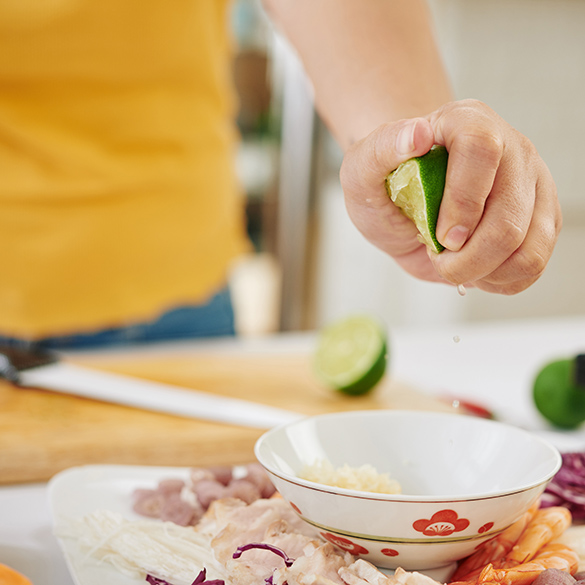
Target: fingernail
{"points": [[405, 138], [455, 238]]}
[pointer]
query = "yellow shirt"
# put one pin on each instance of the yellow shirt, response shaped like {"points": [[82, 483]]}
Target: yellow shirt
{"points": [[118, 197]]}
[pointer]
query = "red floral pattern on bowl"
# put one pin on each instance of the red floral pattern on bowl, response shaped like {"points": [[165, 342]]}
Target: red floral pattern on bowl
{"points": [[345, 544], [486, 527], [389, 552], [442, 523]]}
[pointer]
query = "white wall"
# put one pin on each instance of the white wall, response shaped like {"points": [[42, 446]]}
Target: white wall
{"points": [[352, 276]]}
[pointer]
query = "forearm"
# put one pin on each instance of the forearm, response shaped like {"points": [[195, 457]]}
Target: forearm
{"points": [[370, 61]]}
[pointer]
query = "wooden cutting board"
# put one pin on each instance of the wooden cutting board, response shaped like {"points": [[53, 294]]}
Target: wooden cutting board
{"points": [[42, 432]]}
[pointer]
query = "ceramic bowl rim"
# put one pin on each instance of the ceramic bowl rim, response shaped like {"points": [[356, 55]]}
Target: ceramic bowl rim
{"points": [[361, 495]]}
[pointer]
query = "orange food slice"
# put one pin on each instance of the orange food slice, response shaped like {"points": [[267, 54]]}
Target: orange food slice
{"points": [[9, 576]]}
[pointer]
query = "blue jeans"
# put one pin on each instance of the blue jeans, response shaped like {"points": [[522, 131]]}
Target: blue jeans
{"points": [[214, 319]]}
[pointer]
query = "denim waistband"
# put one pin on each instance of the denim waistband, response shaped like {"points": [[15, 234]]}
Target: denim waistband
{"points": [[212, 319]]}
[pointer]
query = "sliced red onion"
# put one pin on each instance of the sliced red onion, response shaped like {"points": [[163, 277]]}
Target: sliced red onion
{"points": [[199, 580], [567, 487], [264, 546], [202, 580], [156, 581]]}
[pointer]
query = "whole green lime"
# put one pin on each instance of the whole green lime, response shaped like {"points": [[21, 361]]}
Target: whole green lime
{"points": [[558, 396]]}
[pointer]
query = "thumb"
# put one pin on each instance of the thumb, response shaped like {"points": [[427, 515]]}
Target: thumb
{"points": [[367, 162], [363, 173]]}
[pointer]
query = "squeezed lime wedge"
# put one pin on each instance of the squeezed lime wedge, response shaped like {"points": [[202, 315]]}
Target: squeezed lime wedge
{"points": [[417, 187]]}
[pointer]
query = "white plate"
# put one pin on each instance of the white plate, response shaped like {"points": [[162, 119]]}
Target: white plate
{"points": [[78, 491]]}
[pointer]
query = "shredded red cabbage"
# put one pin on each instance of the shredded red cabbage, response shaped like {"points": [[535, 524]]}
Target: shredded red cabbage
{"points": [[202, 580], [567, 487], [264, 546], [199, 580], [156, 581]]}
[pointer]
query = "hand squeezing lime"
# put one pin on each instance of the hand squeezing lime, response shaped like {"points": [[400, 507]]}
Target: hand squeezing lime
{"points": [[351, 355], [416, 187], [559, 392]]}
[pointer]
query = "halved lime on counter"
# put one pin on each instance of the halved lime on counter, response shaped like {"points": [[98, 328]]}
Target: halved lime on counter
{"points": [[351, 355], [417, 187], [559, 392]]}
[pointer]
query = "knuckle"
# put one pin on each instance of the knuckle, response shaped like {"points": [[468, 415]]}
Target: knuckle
{"points": [[481, 144], [475, 105], [508, 289], [528, 147], [450, 273], [467, 202], [474, 110], [529, 263], [550, 231], [349, 170], [344, 171], [522, 269], [558, 223], [366, 157], [510, 236], [379, 145]]}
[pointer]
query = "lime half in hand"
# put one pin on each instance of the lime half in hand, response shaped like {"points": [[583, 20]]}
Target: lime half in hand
{"points": [[416, 187], [351, 355], [559, 392]]}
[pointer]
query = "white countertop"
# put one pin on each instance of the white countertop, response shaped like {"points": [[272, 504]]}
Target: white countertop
{"points": [[27, 543], [493, 364]]}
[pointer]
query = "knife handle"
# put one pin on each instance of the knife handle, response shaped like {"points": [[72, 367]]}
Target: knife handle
{"points": [[14, 360]]}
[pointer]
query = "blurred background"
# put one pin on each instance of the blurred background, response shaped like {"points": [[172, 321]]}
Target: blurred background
{"points": [[524, 58]]}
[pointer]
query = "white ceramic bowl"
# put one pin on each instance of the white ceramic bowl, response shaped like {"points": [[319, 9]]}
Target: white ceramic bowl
{"points": [[464, 480]]}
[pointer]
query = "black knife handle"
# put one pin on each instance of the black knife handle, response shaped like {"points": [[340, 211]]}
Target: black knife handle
{"points": [[16, 359]]}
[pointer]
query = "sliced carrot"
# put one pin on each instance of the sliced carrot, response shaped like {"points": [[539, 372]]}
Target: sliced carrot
{"points": [[9, 576]]}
